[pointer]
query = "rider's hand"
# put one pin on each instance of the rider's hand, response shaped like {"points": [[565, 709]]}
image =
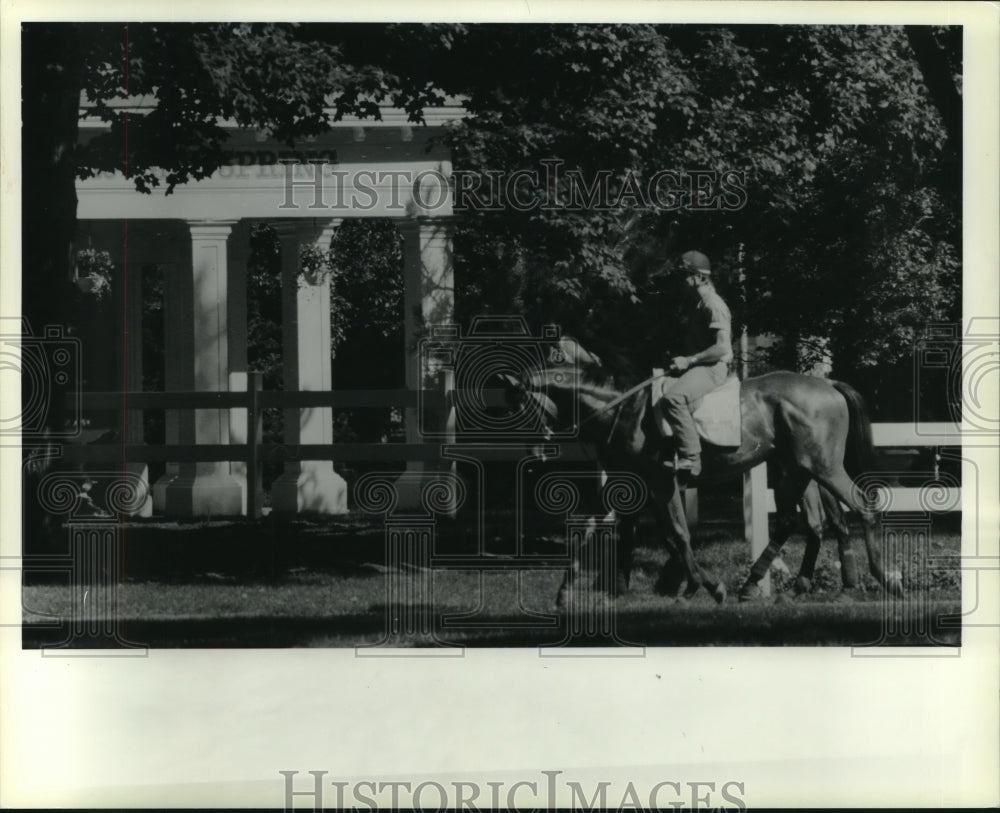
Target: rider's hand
{"points": [[680, 363]]}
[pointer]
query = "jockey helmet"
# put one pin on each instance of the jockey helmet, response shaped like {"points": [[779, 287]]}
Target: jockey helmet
{"points": [[695, 261]]}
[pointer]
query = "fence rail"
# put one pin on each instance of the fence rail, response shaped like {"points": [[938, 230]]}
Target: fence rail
{"points": [[254, 452], [265, 399], [277, 452], [758, 499], [887, 435]]}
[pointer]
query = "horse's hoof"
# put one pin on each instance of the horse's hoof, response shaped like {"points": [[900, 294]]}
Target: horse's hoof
{"points": [[848, 595], [802, 585], [682, 601], [894, 587], [561, 600], [719, 593], [751, 592]]}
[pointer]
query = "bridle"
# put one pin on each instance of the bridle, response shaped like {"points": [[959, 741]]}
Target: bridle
{"points": [[615, 403]]}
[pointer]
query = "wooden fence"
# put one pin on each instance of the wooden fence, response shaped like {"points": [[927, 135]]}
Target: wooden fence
{"points": [[246, 420], [247, 407]]}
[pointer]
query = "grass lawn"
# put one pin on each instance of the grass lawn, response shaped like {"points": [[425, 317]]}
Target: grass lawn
{"points": [[325, 583]]}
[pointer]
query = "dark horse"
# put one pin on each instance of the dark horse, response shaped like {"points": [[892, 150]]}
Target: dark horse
{"points": [[816, 430]]}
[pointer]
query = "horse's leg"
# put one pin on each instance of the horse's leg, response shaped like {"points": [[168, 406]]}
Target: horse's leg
{"points": [[672, 580], [786, 497], [839, 483], [614, 569], [569, 580], [603, 551], [674, 576], [623, 561], [671, 504], [848, 561], [812, 511], [575, 543]]}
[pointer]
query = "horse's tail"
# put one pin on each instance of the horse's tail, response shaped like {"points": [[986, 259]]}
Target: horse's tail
{"points": [[860, 449]]}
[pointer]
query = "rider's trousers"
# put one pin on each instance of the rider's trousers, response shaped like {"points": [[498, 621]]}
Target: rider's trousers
{"points": [[682, 399]]}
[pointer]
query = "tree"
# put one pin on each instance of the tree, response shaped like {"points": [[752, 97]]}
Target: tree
{"points": [[194, 77], [844, 136], [366, 315], [364, 263], [867, 250], [851, 217]]}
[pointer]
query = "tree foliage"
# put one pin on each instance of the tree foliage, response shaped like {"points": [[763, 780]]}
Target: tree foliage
{"points": [[188, 80], [851, 227], [847, 139], [364, 267], [197, 77]]}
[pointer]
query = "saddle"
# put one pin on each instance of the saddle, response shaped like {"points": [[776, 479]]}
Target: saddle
{"points": [[716, 416]]}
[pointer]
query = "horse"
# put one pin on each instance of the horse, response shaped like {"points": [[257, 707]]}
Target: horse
{"points": [[814, 429]]}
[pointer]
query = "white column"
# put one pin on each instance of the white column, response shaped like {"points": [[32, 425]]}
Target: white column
{"points": [[176, 326], [126, 362], [429, 299], [236, 300], [236, 322], [306, 485], [207, 488], [132, 375]]}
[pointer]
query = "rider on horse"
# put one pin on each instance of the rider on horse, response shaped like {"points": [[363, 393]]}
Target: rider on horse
{"points": [[709, 352]]}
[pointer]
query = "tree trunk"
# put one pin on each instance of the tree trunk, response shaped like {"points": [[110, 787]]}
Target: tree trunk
{"points": [[933, 63], [51, 70]]}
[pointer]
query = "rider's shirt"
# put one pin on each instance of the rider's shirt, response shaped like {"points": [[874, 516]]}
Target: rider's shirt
{"points": [[710, 314]]}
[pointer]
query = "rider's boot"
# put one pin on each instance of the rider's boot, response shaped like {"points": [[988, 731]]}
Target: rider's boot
{"points": [[688, 468]]}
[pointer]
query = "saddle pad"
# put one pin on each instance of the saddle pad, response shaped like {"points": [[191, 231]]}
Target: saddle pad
{"points": [[717, 416]]}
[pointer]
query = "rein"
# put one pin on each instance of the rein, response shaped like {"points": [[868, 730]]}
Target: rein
{"points": [[616, 401]]}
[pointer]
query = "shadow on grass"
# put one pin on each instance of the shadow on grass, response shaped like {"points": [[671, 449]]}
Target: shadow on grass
{"points": [[772, 624], [270, 549], [316, 564]]}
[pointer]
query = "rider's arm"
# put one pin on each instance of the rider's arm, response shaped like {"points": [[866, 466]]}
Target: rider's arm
{"points": [[716, 352]]}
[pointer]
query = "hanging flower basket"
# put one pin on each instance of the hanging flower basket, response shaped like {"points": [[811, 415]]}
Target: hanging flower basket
{"points": [[94, 271]]}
